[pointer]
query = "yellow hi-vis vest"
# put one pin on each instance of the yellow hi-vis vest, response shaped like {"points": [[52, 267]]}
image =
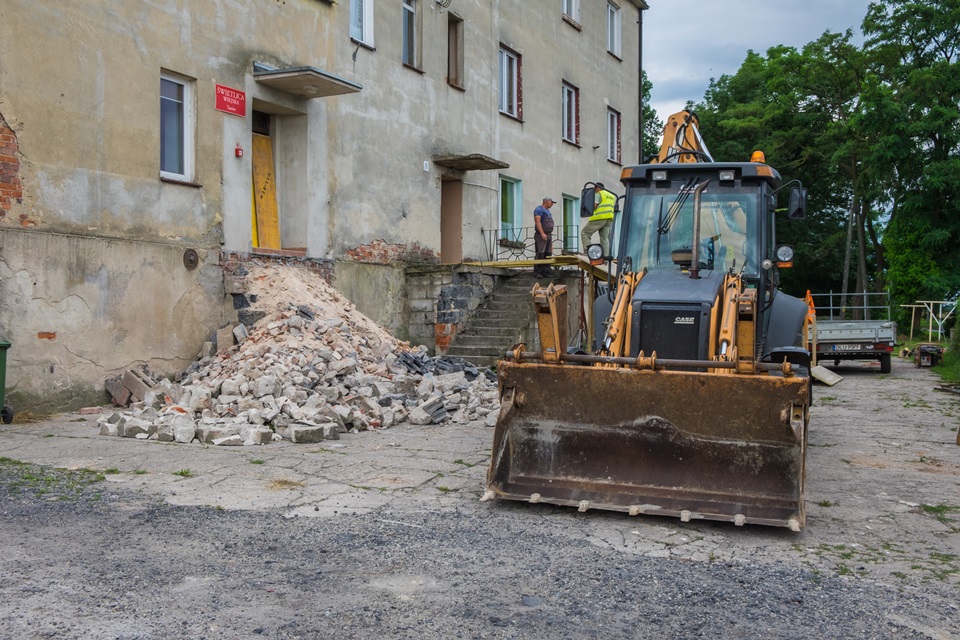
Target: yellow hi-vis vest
{"points": [[604, 210]]}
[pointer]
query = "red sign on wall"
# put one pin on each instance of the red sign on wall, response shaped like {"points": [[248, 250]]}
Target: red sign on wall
{"points": [[231, 101]]}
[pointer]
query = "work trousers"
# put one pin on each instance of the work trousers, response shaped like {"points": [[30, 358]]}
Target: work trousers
{"points": [[544, 249], [602, 227]]}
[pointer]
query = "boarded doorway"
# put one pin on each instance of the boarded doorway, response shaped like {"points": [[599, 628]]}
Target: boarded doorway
{"points": [[266, 214], [451, 221]]}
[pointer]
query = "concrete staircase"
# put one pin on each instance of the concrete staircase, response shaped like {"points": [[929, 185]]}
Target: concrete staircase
{"points": [[506, 318]]}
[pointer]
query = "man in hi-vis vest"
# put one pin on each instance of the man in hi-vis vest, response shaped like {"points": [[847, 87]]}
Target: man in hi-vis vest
{"points": [[601, 221]]}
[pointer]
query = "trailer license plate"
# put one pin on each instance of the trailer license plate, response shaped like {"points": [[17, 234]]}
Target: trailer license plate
{"points": [[848, 347]]}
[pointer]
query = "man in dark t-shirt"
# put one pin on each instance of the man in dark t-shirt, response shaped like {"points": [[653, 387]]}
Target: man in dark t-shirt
{"points": [[543, 240]]}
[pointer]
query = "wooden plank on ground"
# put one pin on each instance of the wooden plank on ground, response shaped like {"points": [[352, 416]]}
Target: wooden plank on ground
{"points": [[825, 376]]}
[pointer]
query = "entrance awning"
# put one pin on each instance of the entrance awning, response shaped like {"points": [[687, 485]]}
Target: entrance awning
{"points": [[469, 162], [306, 82]]}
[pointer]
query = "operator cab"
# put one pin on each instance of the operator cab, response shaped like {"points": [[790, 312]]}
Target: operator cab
{"points": [[658, 222]]}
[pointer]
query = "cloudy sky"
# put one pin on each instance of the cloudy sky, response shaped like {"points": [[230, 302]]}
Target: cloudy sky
{"points": [[687, 42]]}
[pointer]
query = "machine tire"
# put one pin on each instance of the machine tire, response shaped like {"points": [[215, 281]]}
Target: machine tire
{"points": [[885, 365], [6, 414]]}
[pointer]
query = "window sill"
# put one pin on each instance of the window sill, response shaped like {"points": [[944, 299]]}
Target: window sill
{"points": [[363, 44], [615, 162], [458, 87], [573, 23], [413, 68], [614, 56], [511, 116], [183, 183], [571, 143]]}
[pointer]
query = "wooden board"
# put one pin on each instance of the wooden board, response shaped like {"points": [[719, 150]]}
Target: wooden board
{"points": [[825, 376], [265, 193]]}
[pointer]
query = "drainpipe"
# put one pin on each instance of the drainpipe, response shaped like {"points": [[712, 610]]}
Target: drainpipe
{"points": [[641, 7]]}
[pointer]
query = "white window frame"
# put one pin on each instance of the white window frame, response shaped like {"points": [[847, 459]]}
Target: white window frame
{"points": [[614, 149], [361, 21], [571, 9], [571, 113], [511, 196], [186, 135], [614, 28], [511, 89], [410, 40]]}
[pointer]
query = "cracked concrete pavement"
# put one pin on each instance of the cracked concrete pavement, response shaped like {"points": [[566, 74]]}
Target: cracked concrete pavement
{"points": [[883, 481]]}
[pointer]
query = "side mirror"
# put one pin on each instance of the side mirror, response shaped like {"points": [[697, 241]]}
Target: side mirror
{"points": [[798, 203], [586, 202]]}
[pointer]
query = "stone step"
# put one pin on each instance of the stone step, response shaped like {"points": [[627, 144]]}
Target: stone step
{"points": [[505, 305], [505, 315], [490, 341], [492, 330]]}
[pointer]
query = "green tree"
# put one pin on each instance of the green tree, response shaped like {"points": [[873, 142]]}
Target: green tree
{"points": [[762, 107], [912, 113], [652, 125]]}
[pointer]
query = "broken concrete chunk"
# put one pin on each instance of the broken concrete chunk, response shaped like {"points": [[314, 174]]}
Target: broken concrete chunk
{"points": [[136, 382], [304, 433], [224, 338], [420, 417], [108, 429]]}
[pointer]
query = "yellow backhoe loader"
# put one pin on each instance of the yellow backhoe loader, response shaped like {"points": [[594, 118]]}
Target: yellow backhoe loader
{"points": [[694, 400]]}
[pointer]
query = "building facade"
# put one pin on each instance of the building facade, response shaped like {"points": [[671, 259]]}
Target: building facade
{"points": [[145, 145]]}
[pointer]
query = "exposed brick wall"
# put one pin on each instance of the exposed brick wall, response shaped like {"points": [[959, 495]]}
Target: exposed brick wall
{"points": [[381, 252], [11, 191]]}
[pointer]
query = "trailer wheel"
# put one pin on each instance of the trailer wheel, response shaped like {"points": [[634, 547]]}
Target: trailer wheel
{"points": [[885, 366]]}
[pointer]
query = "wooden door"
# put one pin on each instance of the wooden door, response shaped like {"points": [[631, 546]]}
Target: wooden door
{"points": [[451, 221]]}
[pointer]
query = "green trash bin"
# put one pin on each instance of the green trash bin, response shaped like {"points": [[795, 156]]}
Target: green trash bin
{"points": [[6, 413]]}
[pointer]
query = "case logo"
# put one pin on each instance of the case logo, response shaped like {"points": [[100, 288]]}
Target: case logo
{"points": [[684, 320]]}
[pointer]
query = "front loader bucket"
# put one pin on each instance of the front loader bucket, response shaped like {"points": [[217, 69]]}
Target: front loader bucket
{"points": [[676, 443]]}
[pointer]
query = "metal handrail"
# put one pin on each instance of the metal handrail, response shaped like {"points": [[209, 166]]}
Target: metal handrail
{"points": [[856, 305], [519, 243]]}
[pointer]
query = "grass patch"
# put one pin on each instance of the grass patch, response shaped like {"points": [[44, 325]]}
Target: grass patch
{"points": [[184, 473], [139, 472], [112, 471], [827, 503], [24, 479], [940, 511], [444, 489], [284, 484], [949, 367], [257, 460], [26, 417]]}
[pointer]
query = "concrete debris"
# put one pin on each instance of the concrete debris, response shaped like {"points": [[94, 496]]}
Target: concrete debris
{"points": [[304, 372]]}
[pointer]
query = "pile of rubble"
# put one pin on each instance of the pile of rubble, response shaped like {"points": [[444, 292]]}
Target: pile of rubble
{"points": [[312, 368]]}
